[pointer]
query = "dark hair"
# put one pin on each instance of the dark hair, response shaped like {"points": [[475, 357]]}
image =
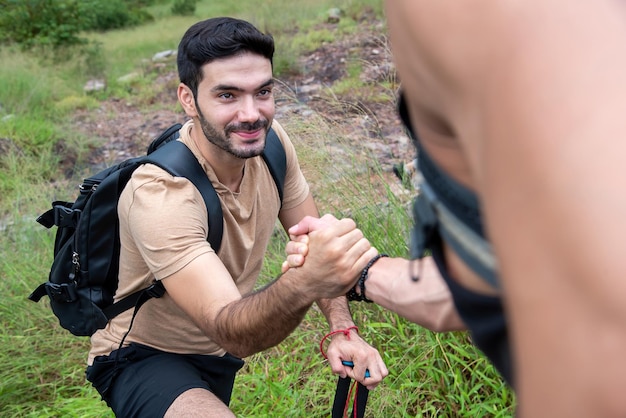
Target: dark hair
{"points": [[216, 38]]}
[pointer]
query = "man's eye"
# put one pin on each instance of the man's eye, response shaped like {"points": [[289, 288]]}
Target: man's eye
{"points": [[265, 92], [226, 95]]}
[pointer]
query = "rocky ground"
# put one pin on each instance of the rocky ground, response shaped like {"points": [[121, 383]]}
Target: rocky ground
{"points": [[366, 116]]}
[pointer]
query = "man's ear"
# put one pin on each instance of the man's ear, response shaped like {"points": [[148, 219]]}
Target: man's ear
{"points": [[186, 99]]}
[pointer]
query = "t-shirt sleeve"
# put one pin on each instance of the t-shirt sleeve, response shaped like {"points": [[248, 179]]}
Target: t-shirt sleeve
{"points": [[296, 187], [167, 220]]}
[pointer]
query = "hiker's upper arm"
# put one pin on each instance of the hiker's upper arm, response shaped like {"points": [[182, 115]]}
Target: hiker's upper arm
{"points": [[175, 249], [202, 288]]}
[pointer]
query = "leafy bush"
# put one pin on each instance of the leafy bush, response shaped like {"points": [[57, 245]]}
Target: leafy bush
{"points": [[103, 15], [58, 23], [90, 61], [40, 22], [184, 7]]}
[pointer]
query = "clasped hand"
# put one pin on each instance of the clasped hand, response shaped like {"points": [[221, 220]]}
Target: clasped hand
{"points": [[335, 251]]}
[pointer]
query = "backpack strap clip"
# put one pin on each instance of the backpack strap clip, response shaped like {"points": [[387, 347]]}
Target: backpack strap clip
{"points": [[62, 292], [156, 290], [61, 215], [424, 226], [65, 216]]}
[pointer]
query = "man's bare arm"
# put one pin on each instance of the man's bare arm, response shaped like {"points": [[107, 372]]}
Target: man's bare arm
{"points": [[247, 325], [427, 302]]}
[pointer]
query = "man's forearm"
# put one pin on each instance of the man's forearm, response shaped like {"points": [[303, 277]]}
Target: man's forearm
{"points": [[337, 312], [262, 319], [427, 302]]}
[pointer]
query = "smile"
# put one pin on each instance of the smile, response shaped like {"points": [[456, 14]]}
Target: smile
{"points": [[249, 135]]}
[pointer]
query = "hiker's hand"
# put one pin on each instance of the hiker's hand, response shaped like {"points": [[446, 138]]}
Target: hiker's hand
{"points": [[310, 223], [296, 250], [337, 253], [298, 246], [364, 356]]}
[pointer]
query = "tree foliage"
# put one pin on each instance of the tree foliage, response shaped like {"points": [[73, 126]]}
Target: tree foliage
{"points": [[40, 22], [57, 23], [184, 7], [103, 15]]}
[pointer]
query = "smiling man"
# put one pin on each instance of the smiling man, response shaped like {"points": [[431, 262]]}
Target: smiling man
{"points": [[183, 350]]}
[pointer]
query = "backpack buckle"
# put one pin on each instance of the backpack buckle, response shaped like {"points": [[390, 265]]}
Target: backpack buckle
{"points": [[424, 226], [66, 216], [63, 292], [156, 290]]}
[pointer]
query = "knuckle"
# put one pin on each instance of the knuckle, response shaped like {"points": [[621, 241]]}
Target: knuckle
{"points": [[348, 222]]}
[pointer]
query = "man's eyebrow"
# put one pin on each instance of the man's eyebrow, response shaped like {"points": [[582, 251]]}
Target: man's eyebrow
{"points": [[226, 87]]}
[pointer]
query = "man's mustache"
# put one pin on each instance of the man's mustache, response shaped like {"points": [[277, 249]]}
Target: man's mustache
{"points": [[247, 126]]}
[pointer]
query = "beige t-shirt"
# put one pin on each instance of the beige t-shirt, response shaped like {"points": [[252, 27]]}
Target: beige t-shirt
{"points": [[164, 226]]}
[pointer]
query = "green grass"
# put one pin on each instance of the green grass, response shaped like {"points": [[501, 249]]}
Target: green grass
{"points": [[431, 375]]}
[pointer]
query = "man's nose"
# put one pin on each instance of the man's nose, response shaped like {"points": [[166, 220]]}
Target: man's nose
{"points": [[248, 110]]}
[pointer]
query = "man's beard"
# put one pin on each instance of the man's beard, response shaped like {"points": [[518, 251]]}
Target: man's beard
{"points": [[222, 140]]}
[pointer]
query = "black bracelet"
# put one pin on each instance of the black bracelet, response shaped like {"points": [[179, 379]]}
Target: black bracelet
{"points": [[352, 294]]}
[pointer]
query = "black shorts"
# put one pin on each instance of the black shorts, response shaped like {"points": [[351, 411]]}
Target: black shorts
{"points": [[146, 381]]}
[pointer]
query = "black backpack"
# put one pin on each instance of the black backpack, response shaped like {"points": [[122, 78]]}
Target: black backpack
{"points": [[84, 274]]}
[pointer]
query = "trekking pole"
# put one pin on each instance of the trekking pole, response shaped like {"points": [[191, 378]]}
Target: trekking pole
{"points": [[341, 397], [344, 388], [344, 392]]}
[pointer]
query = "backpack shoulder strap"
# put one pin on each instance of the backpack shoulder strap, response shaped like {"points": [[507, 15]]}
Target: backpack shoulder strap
{"points": [[276, 160], [168, 135], [178, 160]]}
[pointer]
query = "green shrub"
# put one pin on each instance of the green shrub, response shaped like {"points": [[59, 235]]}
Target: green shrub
{"points": [[184, 7], [103, 15], [40, 22], [56, 23], [90, 60]]}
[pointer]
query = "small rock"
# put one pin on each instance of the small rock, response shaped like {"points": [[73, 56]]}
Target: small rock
{"points": [[94, 85], [129, 78], [334, 15], [311, 88], [164, 55]]}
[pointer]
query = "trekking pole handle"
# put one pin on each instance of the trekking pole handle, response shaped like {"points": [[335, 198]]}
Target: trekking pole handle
{"points": [[351, 364]]}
